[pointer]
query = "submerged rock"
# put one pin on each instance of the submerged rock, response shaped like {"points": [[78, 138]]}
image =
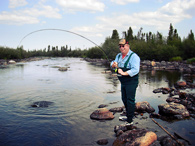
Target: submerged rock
{"points": [[42, 104], [102, 114], [102, 142]]}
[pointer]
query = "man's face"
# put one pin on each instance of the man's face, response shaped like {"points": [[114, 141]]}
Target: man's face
{"points": [[124, 49]]}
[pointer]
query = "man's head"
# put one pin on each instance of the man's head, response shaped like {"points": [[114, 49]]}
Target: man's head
{"points": [[124, 46]]}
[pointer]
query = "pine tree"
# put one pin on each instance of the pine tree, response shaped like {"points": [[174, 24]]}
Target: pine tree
{"points": [[129, 36], [170, 35], [115, 34]]}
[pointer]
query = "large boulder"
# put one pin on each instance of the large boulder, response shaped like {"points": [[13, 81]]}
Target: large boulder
{"points": [[173, 109], [102, 114], [136, 137], [144, 107]]}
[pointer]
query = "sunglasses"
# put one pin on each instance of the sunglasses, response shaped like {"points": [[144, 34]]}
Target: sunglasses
{"points": [[121, 46]]}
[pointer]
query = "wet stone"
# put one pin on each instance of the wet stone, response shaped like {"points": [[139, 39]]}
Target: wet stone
{"points": [[116, 109], [102, 114], [144, 107], [171, 109]]}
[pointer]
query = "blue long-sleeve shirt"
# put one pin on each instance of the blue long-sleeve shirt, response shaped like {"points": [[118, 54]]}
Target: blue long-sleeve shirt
{"points": [[133, 64]]}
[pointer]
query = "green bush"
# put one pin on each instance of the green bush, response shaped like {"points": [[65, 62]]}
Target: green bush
{"points": [[178, 59], [191, 60]]}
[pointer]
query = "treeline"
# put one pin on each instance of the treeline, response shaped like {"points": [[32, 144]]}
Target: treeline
{"points": [[148, 46], [151, 46]]}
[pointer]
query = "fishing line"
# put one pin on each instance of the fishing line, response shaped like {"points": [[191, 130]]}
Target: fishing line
{"points": [[67, 32]]}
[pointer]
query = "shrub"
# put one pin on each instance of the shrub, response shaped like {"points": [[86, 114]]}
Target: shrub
{"points": [[191, 60], [178, 59]]}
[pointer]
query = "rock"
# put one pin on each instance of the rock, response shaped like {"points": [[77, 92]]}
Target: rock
{"points": [[153, 63], [12, 62], [41, 104], [120, 128], [119, 132], [102, 114], [182, 95], [144, 107], [155, 115], [166, 90], [5, 63], [175, 99], [163, 63], [107, 72], [180, 84], [157, 90], [116, 109], [63, 69], [173, 109], [102, 105], [136, 137], [168, 141], [179, 117], [102, 142]]}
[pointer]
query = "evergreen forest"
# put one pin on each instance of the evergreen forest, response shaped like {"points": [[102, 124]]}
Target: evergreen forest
{"points": [[148, 46]]}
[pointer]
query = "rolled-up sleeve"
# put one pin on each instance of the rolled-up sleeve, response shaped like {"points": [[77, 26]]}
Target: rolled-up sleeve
{"points": [[135, 65]]}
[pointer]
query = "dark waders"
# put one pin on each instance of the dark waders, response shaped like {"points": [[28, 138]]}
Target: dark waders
{"points": [[128, 91]]}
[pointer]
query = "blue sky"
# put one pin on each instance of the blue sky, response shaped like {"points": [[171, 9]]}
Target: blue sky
{"points": [[94, 19]]}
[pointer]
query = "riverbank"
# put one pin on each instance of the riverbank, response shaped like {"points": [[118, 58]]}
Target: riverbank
{"points": [[153, 65], [145, 64], [13, 61]]}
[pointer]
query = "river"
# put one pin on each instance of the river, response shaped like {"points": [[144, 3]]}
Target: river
{"points": [[75, 94]]}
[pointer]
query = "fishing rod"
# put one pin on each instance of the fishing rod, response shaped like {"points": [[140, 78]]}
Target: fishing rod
{"points": [[53, 29]]}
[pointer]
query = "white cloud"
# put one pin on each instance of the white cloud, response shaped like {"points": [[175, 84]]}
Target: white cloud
{"points": [[29, 15], [46, 11], [179, 8], [84, 5], [123, 2], [17, 3], [16, 18], [173, 12]]}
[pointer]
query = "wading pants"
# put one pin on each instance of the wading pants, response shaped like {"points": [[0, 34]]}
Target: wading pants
{"points": [[128, 92]]}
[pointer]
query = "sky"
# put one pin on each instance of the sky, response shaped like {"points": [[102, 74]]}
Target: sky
{"points": [[92, 19]]}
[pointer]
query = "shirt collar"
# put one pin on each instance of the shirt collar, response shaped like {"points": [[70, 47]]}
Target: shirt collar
{"points": [[129, 52]]}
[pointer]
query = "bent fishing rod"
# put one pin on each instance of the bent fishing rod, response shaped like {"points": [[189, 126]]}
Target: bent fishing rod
{"points": [[53, 29]]}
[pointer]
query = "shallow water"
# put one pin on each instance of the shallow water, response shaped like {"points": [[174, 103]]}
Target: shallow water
{"points": [[75, 94]]}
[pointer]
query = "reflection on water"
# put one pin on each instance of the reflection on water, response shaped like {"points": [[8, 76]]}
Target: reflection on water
{"points": [[75, 94]]}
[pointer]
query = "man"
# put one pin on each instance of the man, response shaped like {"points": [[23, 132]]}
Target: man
{"points": [[127, 65]]}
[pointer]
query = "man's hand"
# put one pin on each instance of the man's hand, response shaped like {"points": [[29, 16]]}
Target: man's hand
{"points": [[120, 71], [115, 65]]}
